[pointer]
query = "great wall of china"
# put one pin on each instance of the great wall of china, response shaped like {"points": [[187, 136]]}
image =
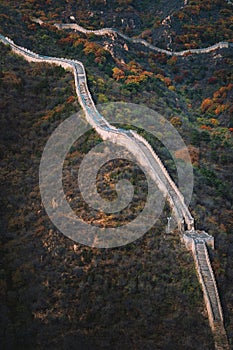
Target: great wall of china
{"points": [[195, 240], [114, 32]]}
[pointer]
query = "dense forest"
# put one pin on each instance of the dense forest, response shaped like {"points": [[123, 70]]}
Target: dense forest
{"points": [[56, 293]]}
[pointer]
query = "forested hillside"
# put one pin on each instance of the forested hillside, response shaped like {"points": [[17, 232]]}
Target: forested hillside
{"points": [[54, 292]]}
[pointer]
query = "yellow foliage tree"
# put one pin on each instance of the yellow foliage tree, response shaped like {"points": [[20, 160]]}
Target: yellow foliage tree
{"points": [[118, 73]]}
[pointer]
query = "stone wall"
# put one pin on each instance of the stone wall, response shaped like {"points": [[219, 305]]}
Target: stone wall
{"points": [[146, 156], [136, 144], [114, 32], [210, 291]]}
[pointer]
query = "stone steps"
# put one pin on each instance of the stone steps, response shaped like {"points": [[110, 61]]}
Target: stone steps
{"points": [[211, 292], [220, 337]]}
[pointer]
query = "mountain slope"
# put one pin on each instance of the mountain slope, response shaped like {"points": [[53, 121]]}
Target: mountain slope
{"points": [[55, 292]]}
